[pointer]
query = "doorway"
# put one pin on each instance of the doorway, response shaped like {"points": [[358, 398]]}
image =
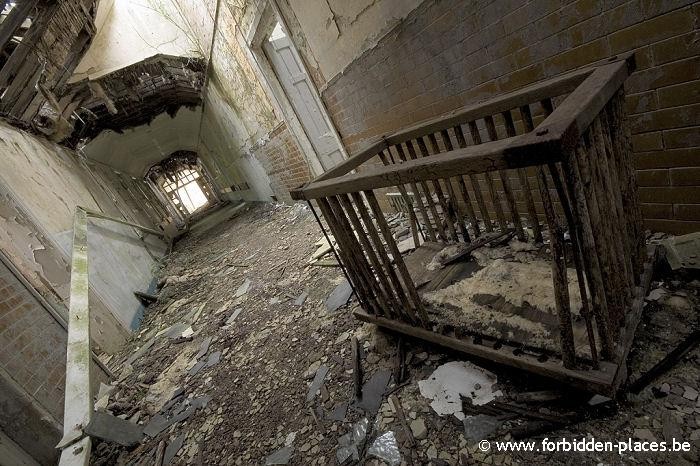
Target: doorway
{"points": [[299, 90]]}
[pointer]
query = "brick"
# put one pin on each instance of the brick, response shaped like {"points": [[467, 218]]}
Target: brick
{"points": [[647, 142], [665, 75], [657, 210], [677, 117], [675, 48], [685, 176], [577, 57], [653, 177], [680, 94], [642, 102], [684, 137], [675, 227], [670, 195], [670, 158], [687, 212], [652, 30]]}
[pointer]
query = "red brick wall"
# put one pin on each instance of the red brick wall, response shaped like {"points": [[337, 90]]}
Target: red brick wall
{"points": [[450, 53], [32, 344], [283, 162]]}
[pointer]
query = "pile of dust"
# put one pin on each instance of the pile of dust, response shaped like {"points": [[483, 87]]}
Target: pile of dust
{"points": [[521, 285], [518, 283]]}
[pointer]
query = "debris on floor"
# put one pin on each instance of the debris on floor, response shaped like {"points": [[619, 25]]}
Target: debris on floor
{"points": [[258, 379]]}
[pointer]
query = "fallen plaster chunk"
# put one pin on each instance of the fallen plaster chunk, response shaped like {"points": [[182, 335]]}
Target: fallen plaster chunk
{"points": [[348, 444], [243, 289], [339, 296], [454, 379], [406, 245], [386, 449], [317, 382]]}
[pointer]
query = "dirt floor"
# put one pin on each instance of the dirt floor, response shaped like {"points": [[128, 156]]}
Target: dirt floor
{"points": [[227, 354]]}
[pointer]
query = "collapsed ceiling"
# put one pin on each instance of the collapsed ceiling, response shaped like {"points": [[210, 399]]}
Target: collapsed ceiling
{"points": [[130, 97]]}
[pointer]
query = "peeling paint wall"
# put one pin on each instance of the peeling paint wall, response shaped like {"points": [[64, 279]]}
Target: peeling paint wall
{"points": [[129, 31], [238, 116], [40, 185], [339, 31]]}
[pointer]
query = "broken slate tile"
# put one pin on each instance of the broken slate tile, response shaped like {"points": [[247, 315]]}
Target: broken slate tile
{"points": [[243, 289], [281, 456], [317, 382], [159, 422], [299, 301], [338, 412], [339, 296], [373, 391], [203, 348], [479, 427], [233, 316], [172, 449], [214, 358], [113, 429], [196, 368]]}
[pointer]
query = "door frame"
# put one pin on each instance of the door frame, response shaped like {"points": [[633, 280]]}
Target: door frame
{"points": [[267, 14]]}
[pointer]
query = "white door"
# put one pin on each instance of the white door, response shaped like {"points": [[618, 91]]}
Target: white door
{"points": [[298, 87]]}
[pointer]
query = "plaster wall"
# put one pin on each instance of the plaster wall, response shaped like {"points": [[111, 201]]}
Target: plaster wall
{"points": [[41, 184], [129, 31], [338, 31]]}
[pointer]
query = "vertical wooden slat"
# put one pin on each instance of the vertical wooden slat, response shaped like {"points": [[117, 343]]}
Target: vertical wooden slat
{"points": [[409, 203], [398, 260], [453, 203], [561, 283], [507, 190], [350, 266], [395, 307], [609, 220], [380, 249], [602, 243], [462, 142], [629, 183], [603, 133], [522, 173], [442, 198], [495, 202], [431, 202]]}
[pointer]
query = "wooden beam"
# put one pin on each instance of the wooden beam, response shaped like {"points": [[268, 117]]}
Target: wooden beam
{"points": [[520, 151], [597, 381], [14, 20]]}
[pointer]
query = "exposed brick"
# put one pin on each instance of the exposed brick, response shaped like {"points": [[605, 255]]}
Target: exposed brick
{"points": [[683, 157], [653, 178], [677, 117], [647, 142], [657, 211], [675, 48], [653, 30], [675, 227], [670, 195], [680, 94], [685, 176], [686, 211], [684, 137]]}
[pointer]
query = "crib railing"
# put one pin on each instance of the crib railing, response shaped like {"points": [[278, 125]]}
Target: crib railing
{"points": [[550, 158]]}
